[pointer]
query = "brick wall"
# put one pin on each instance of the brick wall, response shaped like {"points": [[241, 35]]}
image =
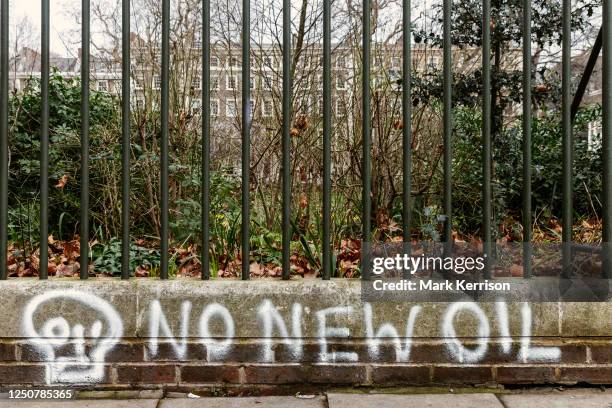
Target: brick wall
{"points": [[193, 335]]}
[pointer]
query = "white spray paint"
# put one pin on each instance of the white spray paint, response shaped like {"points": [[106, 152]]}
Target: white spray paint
{"points": [[456, 349], [216, 349], [528, 353], [158, 321], [269, 317], [336, 332], [387, 330], [56, 332], [504, 326]]}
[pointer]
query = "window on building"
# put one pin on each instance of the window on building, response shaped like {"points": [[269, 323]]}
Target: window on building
{"points": [[197, 42], [196, 105], [396, 62], [234, 62], [157, 82], [214, 82], [341, 61], [340, 108], [214, 107], [267, 61], [304, 84], [230, 108], [251, 108], [196, 83], [138, 83], [340, 83], [102, 86], [268, 108], [140, 103], [267, 84], [251, 82], [232, 82], [214, 61]]}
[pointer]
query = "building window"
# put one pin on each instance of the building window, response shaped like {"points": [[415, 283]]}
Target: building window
{"points": [[214, 62], [157, 82], [231, 82], [341, 62], [230, 108], [396, 62], [214, 82], [252, 82], [340, 83], [196, 83], [102, 86], [267, 84], [214, 107], [267, 61], [340, 108], [140, 103], [251, 108], [268, 108], [234, 62], [304, 84], [196, 105], [138, 83]]}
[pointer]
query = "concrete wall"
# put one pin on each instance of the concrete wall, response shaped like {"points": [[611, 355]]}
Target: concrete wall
{"points": [[193, 334]]}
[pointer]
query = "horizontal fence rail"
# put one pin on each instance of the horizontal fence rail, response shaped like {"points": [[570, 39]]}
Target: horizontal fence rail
{"points": [[488, 127]]}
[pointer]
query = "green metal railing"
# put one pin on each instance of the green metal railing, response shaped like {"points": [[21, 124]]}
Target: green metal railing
{"points": [[569, 108]]}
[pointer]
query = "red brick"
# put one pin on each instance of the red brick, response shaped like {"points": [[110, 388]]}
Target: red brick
{"points": [[277, 374], [589, 375], [601, 353], [165, 352], [22, 374], [7, 352], [313, 374], [462, 375], [124, 352], [196, 374], [525, 375], [146, 374], [400, 375]]}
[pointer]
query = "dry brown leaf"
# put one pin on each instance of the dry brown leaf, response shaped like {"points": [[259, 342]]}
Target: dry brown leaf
{"points": [[62, 181]]}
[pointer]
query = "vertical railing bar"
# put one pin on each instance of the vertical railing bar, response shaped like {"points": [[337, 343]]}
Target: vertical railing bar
{"points": [[327, 122], [84, 204], [607, 139], [125, 140], [286, 143], [447, 124], [206, 139], [165, 108], [566, 126], [407, 127], [44, 140], [366, 126], [486, 135], [527, 139], [246, 133], [4, 108]]}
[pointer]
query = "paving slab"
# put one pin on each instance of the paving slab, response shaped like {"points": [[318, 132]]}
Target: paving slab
{"points": [[142, 403], [573, 400], [247, 402], [414, 400]]}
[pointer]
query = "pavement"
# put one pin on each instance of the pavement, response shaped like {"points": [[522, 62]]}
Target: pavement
{"points": [[547, 398]]}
